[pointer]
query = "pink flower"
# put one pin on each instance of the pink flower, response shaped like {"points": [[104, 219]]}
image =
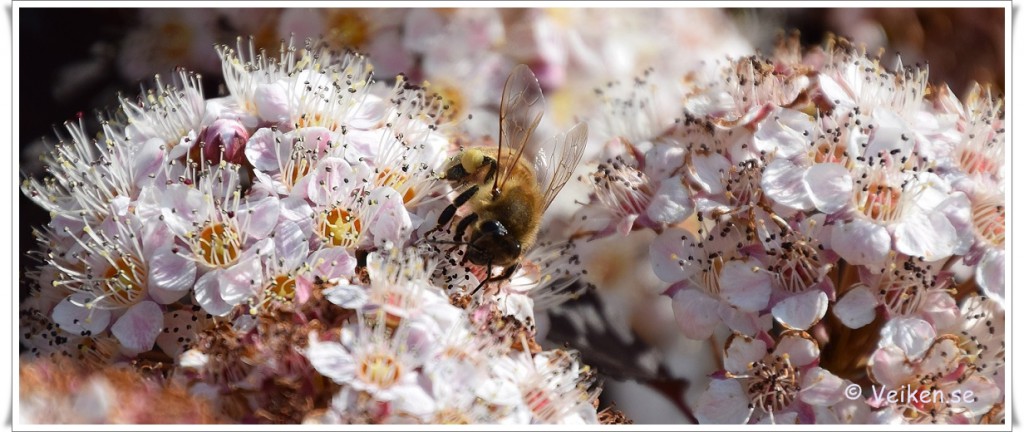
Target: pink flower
{"points": [[705, 270], [771, 382]]}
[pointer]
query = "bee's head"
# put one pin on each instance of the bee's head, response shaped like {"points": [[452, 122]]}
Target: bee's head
{"points": [[492, 243]]}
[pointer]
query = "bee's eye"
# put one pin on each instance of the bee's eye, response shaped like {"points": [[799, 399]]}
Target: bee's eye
{"points": [[493, 227]]}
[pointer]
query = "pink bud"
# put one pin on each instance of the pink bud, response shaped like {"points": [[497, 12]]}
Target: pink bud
{"points": [[225, 137]]}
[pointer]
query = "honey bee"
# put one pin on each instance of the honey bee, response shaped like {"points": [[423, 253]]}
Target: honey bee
{"points": [[507, 192]]}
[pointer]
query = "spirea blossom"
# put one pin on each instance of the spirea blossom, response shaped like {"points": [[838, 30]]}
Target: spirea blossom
{"points": [[265, 249], [815, 213], [819, 220]]}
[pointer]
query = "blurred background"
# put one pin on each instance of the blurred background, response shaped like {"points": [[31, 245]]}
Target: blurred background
{"points": [[74, 61]]}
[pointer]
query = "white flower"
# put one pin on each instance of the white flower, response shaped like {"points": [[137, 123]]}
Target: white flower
{"points": [[166, 118], [553, 387], [704, 270], [368, 359], [764, 383], [937, 365]]}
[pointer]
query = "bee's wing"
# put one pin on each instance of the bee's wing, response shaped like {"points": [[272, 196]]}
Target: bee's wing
{"points": [[557, 159], [522, 106]]}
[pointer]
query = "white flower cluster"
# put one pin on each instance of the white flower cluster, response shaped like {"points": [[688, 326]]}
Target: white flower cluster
{"points": [[843, 212], [274, 235]]}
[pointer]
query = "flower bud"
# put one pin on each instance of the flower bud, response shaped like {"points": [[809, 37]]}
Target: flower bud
{"points": [[226, 139]]}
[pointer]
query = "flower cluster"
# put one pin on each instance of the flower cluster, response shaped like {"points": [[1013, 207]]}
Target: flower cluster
{"points": [[836, 221], [294, 250], [266, 251], [462, 54]]}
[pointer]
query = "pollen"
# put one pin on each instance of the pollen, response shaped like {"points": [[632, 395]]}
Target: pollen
{"points": [[282, 287], [398, 182], [380, 369], [826, 152], [879, 202], [125, 283], [454, 101], [621, 187], [217, 245], [340, 227], [299, 164], [774, 384]]}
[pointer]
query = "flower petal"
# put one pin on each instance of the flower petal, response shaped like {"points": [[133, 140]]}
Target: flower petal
{"points": [[347, 296], [741, 351], [331, 360], [990, 275], [73, 317], [241, 281], [985, 394], [207, 294], [671, 203], [940, 309], [390, 222], [271, 102], [890, 133], [912, 335], [413, 400], [861, 242], [783, 182], [801, 311], [170, 275], [138, 328], [179, 329], [147, 160], [748, 323], [785, 132], [857, 308], [802, 350], [696, 313], [724, 402], [332, 262], [668, 250], [829, 186], [835, 92], [259, 217], [708, 170], [662, 161], [331, 181], [942, 357], [820, 387], [180, 205], [928, 235], [266, 149], [890, 367], [745, 284], [290, 244]]}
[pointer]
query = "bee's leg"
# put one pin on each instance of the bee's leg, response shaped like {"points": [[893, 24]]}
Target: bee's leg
{"points": [[449, 212], [460, 229], [492, 169], [505, 275], [483, 282]]}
